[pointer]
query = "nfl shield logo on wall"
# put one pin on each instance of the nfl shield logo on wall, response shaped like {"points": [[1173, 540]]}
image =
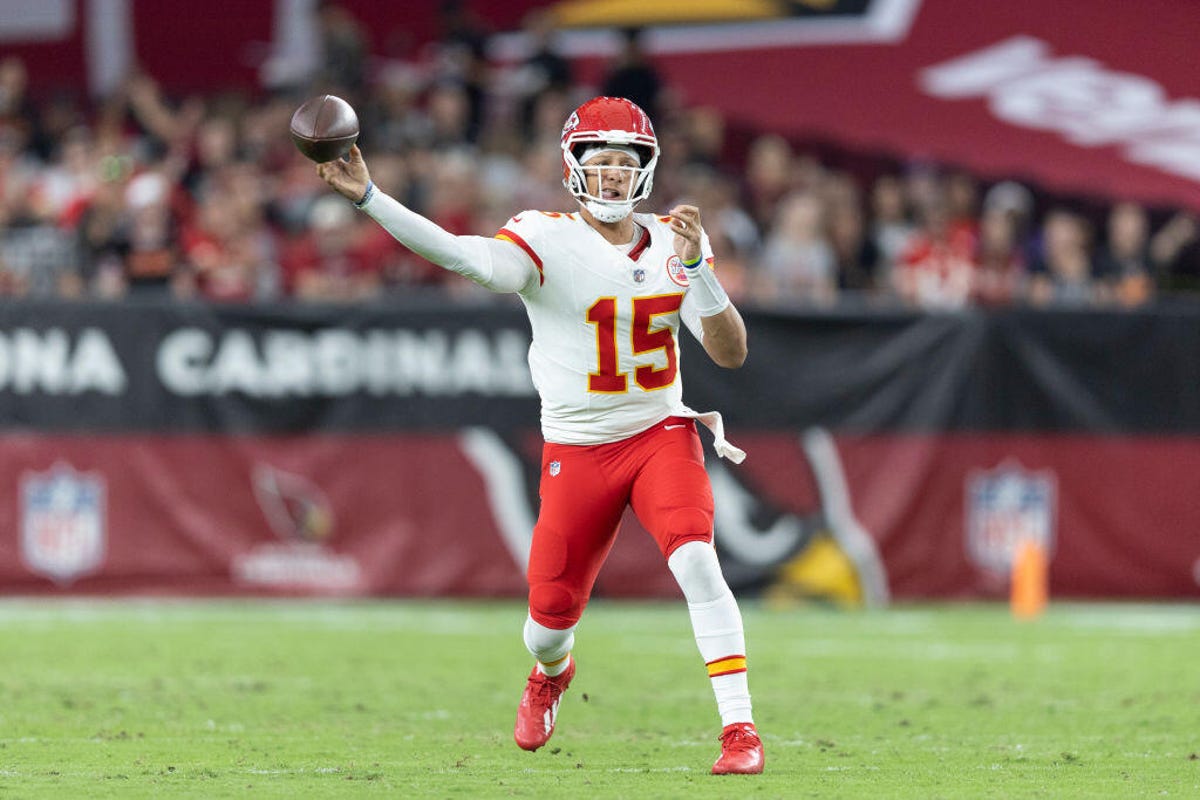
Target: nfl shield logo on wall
{"points": [[62, 522], [1007, 505], [555, 468]]}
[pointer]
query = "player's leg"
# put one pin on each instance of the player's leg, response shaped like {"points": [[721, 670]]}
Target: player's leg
{"points": [[717, 623], [673, 499], [576, 525]]}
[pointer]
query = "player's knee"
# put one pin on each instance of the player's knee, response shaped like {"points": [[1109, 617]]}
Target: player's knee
{"points": [[554, 605], [685, 525], [698, 572]]}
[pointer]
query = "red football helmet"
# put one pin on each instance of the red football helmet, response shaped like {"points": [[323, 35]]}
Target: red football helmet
{"points": [[609, 120]]}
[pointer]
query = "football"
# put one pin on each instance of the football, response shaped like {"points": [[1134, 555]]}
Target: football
{"points": [[324, 128]]}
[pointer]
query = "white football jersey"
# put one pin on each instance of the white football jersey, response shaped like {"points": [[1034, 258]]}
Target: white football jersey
{"points": [[605, 350]]}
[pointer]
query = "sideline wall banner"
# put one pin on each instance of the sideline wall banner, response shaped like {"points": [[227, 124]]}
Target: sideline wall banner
{"points": [[394, 451]]}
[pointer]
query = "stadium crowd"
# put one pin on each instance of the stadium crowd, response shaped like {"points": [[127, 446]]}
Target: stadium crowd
{"points": [[145, 193]]}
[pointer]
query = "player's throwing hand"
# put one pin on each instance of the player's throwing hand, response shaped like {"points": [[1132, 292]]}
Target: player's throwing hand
{"points": [[348, 178]]}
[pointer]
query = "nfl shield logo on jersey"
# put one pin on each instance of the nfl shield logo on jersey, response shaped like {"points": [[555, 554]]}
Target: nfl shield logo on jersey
{"points": [[1007, 505], [555, 468], [62, 522]]}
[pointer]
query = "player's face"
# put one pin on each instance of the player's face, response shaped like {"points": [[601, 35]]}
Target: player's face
{"points": [[610, 175]]}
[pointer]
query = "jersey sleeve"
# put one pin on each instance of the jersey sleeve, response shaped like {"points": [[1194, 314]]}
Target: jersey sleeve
{"points": [[491, 263], [688, 313], [525, 230]]}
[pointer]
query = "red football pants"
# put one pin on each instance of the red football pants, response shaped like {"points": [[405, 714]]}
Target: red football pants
{"points": [[585, 489]]}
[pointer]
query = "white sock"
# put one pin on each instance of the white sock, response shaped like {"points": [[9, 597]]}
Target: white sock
{"points": [[717, 624], [550, 646], [718, 628], [557, 668]]}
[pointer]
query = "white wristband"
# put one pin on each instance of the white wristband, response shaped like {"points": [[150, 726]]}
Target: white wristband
{"points": [[706, 290]]}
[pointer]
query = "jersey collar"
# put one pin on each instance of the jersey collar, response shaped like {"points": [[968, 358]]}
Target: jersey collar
{"points": [[640, 247]]}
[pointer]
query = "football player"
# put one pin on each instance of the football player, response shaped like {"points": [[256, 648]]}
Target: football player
{"points": [[606, 291]]}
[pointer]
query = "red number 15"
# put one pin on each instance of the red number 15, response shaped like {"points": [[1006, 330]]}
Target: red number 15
{"points": [[645, 338]]}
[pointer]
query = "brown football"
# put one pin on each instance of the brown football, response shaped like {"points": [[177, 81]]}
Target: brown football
{"points": [[324, 128]]}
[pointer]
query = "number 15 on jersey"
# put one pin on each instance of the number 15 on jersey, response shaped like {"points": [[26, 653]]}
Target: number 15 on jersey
{"points": [[645, 337]]}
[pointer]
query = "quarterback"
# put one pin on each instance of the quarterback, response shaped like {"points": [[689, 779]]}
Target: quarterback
{"points": [[607, 291]]}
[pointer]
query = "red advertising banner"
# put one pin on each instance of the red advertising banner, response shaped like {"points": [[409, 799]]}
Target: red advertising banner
{"points": [[1097, 98], [847, 518]]}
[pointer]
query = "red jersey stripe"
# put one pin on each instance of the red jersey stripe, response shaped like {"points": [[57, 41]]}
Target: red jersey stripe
{"points": [[505, 233]]}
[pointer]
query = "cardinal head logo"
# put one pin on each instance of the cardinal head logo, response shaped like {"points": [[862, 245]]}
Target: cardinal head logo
{"points": [[295, 507]]}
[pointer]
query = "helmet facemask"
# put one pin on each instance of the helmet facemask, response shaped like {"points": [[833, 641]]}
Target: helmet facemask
{"points": [[641, 179]]}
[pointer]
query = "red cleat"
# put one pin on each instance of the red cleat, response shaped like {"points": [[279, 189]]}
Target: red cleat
{"points": [[741, 751], [539, 707]]}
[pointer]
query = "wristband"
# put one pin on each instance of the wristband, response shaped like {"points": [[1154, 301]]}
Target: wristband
{"points": [[692, 264], [367, 195], [705, 289]]}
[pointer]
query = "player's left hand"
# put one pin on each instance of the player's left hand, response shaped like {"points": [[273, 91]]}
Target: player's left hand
{"points": [[685, 221]]}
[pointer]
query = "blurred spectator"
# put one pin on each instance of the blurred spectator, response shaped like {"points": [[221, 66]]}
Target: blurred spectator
{"points": [[1015, 201], [768, 177], [343, 50], [1064, 274], [1011, 198], [891, 227], [923, 187], [1000, 274], [231, 251], [36, 258], [633, 77], [333, 261], [102, 225], [540, 185], [704, 130], [153, 262], [797, 262], [70, 177], [214, 147], [449, 108], [391, 119], [856, 256], [1168, 245], [17, 111], [936, 270], [461, 60], [551, 109], [1123, 262], [205, 196], [962, 200], [544, 71]]}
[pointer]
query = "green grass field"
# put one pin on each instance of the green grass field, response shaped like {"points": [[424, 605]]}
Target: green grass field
{"points": [[306, 699]]}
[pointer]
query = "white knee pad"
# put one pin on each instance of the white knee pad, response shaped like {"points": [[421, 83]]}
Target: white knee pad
{"points": [[548, 645], [698, 572]]}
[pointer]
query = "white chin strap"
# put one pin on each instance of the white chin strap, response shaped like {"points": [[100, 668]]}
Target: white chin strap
{"points": [[608, 212]]}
